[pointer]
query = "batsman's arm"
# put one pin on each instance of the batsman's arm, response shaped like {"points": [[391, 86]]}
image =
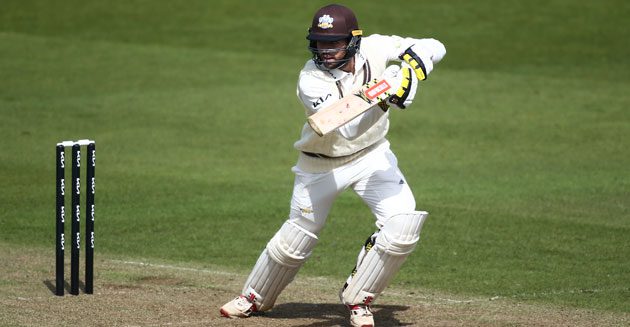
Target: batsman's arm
{"points": [[420, 54], [351, 115], [316, 96]]}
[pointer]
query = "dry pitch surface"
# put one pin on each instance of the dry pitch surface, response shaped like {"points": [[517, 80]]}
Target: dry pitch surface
{"points": [[135, 293]]}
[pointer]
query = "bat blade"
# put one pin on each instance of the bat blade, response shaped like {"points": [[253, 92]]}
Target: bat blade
{"points": [[349, 107]]}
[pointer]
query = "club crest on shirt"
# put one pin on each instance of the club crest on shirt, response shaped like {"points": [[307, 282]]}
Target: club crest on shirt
{"points": [[325, 22]]}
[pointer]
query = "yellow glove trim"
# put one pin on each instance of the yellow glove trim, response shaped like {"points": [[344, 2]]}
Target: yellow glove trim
{"points": [[405, 83], [403, 91], [415, 62]]}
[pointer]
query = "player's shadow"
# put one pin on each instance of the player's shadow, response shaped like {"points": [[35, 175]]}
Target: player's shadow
{"points": [[329, 314]]}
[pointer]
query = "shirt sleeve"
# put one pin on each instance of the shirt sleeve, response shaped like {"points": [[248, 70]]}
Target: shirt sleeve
{"points": [[314, 94], [430, 50]]}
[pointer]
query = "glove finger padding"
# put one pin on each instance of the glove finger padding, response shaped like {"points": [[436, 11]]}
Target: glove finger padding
{"points": [[419, 61], [405, 87]]}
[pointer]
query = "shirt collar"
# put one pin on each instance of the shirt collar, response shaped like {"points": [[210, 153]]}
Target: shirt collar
{"points": [[359, 61]]}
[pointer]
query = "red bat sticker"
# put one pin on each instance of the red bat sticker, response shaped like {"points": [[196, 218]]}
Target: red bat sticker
{"points": [[377, 89]]}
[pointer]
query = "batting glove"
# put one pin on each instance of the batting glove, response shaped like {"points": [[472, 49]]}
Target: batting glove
{"points": [[404, 85]]}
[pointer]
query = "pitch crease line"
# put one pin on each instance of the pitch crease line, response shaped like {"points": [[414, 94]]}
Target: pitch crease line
{"points": [[144, 264]]}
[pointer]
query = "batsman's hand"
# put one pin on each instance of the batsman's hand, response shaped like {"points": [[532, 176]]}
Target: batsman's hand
{"points": [[421, 60], [404, 85]]}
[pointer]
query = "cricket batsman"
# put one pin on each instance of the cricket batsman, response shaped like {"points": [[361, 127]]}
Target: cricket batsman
{"points": [[356, 156]]}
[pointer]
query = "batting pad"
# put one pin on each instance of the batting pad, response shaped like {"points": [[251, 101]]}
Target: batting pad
{"points": [[278, 264], [396, 240]]}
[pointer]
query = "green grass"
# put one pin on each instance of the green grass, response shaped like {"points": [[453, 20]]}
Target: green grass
{"points": [[517, 144]]}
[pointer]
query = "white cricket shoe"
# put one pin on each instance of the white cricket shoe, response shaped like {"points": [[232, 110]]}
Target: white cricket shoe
{"points": [[240, 307], [361, 316]]}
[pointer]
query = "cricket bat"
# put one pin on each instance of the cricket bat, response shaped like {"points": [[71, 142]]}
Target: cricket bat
{"points": [[350, 106]]}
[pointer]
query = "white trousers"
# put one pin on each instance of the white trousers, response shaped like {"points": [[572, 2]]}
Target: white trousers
{"points": [[375, 178]]}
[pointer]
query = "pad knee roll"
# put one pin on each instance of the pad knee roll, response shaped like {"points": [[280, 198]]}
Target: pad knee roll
{"points": [[278, 264], [401, 233], [291, 245], [397, 239]]}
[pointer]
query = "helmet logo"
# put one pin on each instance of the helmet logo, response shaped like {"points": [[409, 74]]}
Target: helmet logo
{"points": [[325, 22]]}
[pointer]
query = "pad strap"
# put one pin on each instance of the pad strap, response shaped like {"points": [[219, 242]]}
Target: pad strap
{"points": [[396, 240]]}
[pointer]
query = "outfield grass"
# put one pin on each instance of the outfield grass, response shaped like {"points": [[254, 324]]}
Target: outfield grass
{"points": [[517, 144]]}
